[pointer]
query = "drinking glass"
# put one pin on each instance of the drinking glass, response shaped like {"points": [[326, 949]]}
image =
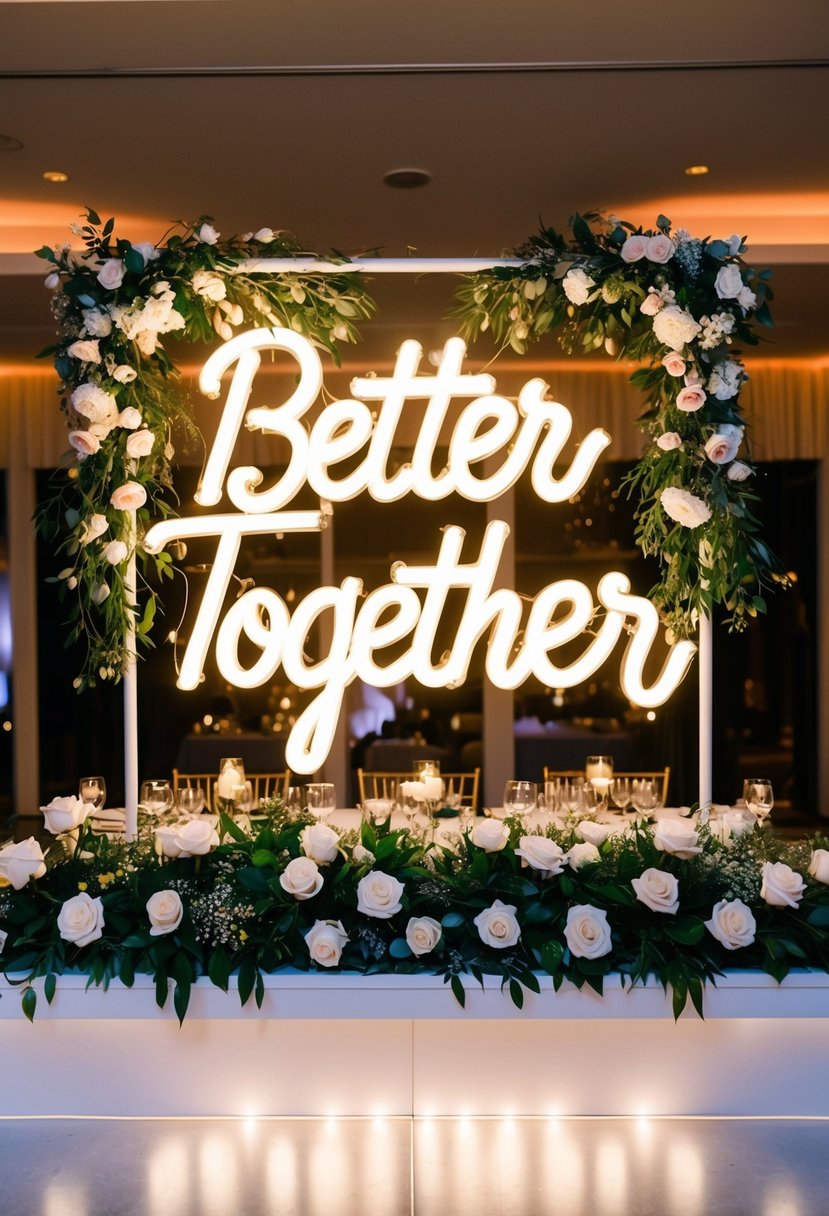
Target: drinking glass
{"points": [[294, 799], [321, 799], [94, 790], [156, 796], [573, 795], [551, 798], [759, 796], [191, 799], [620, 791], [242, 797], [644, 795], [520, 797], [377, 811]]}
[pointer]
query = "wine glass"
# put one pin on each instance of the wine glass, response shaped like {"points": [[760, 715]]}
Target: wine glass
{"points": [[321, 799], [377, 811], [242, 797], [293, 800], [759, 796], [644, 796], [520, 797], [156, 796], [191, 799], [620, 791], [94, 790]]}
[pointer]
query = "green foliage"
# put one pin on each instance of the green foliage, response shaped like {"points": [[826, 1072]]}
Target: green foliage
{"points": [[111, 335], [587, 290]]}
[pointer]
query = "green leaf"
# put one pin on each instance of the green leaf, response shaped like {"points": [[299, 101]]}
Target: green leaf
{"points": [[248, 972], [49, 985], [28, 1002], [162, 988], [133, 260], [663, 223], [453, 920], [516, 994], [219, 968], [181, 998], [263, 857], [458, 990], [686, 930], [552, 954]]}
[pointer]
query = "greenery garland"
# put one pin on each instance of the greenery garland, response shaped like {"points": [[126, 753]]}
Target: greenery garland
{"points": [[116, 302], [677, 304], [573, 900]]}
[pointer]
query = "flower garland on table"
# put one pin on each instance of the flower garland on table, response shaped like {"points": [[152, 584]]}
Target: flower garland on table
{"points": [[578, 901], [115, 302], [677, 304]]}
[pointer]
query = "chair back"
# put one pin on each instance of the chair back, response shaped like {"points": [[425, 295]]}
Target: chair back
{"points": [[460, 789], [264, 785], [662, 775]]}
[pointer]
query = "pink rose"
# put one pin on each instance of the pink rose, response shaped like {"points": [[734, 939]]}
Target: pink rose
{"points": [[674, 364], [128, 497], [111, 274], [736, 471], [669, 441], [690, 399], [84, 443], [722, 447], [634, 248], [660, 248], [130, 418], [651, 304], [140, 443]]}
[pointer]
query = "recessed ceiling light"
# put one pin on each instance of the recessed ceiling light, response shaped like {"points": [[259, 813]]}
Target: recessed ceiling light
{"points": [[55, 175], [407, 179], [696, 170], [8, 143]]}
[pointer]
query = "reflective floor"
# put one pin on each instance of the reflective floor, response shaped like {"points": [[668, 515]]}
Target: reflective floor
{"points": [[391, 1167]]}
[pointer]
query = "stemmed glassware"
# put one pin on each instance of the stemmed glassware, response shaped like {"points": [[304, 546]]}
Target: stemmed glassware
{"points": [[191, 799], [156, 796], [621, 793], [759, 796], [94, 790], [579, 797], [321, 799], [520, 797], [599, 772], [644, 795]]}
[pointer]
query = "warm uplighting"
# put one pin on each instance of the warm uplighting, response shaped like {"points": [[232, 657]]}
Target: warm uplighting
{"points": [[55, 175], [696, 170], [650, 715]]}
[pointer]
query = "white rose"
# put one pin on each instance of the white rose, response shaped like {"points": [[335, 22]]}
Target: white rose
{"points": [[577, 285], [99, 593], [124, 374], [677, 836], [207, 234], [81, 920], [115, 552], [319, 842], [94, 527], [147, 250], [128, 497], [422, 934], [722, 447], [165, 911], [165, 842], [724, 381], [22, 861], [130, 418], [140, 443], [362, 855], [674, 364], [541, 854], [669, 441], [195, 837], [651, 304], [66, 814], [84, 443], [587, 932], [634, 248], [684, 507], [674, 327], [379, 895], [491, 835], [209, 285], [657, 890], [738, 471], [729, 282], [147, 341], [497, 926], [782, 886], [98, 324], [581, 855], [265, 235], [732, 923], [93, 403], [594, 833], [325, 942], [819, 865], [691, 398], [301, 878], [660, 248], [87, 352], [111, 274], [746, 298]]}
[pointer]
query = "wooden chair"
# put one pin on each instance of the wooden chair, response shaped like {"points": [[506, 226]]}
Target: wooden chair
{"points": [[374, 784], [265, 785], [660, 774]]}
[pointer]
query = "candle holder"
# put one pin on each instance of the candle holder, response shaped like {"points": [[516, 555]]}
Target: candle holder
{"points": [[598, 770], [230, 784]]}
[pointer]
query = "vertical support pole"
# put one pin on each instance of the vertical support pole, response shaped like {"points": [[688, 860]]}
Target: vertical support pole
{"points": [[823, 640], [335, 769], [20, 489], [706, 710], [130, 687], [499, 730]]}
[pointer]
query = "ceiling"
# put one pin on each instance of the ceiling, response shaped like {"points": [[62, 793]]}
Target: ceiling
{"points": [[261, 112]]}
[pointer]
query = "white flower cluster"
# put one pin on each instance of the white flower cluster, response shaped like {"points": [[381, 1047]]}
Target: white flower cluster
{"points": [[143, 320], [715, 330]]}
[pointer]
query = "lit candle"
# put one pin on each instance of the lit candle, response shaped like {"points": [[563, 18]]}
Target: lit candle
{"points": [[228, 778]]}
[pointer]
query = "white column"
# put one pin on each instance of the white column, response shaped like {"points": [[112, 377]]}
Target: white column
{"points": [[336, 767], [20, 489], [823, 639], [130, 685], [499, 739], [706, 709]]}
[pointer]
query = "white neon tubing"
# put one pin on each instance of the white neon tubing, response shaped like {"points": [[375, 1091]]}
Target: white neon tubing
{"points": [[614, 593]]}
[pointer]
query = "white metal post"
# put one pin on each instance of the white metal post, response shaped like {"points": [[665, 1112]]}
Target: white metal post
{"points": [[706, 710], [130, 682]]}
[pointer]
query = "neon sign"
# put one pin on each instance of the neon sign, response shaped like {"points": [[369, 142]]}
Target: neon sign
{"points": [[531, 434]]}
